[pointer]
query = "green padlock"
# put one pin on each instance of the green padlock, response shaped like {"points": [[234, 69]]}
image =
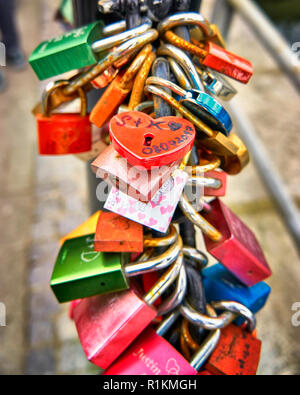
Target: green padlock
{"points": [[70, 51], [81, 272]]}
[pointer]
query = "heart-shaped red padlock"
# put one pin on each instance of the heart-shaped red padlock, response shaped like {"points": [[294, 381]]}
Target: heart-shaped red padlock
{"points": [[149, 142]]}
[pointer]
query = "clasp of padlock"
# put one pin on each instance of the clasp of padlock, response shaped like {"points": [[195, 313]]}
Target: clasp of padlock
{"points": [[63, 133]]}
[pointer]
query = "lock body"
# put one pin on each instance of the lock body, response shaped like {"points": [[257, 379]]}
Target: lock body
{"points": [[237, 353], [220, 284], [151, 354], [238, 250], [107, 324], [115, 233], [228, 63], [80, 272], [67, 52], [136, 182], [61, 134]]}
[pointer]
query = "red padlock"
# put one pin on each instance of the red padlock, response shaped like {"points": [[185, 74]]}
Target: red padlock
{"points": [[237, 353], [149, 142], [107, 324], [215, 57], [238, 250], [63, 133]]}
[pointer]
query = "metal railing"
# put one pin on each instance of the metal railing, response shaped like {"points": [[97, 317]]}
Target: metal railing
{"points": [[280, 51]]}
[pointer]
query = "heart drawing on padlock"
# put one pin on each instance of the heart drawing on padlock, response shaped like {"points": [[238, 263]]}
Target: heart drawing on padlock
{"points": [[149, 142]]}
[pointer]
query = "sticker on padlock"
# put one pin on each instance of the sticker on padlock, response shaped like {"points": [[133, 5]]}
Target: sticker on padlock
{"points": [[237, 353], [220, 284], [115, 233], [137, 182], [158, 213], [108, 324], [238, 249], [80, 271], [78, 48], [63, 133], [149, 142]]}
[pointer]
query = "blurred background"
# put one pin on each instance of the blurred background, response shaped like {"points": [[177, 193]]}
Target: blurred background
{"points": [[43, 198]]}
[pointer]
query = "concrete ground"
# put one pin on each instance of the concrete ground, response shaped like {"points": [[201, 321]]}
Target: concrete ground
{"points": [[41, 199]]}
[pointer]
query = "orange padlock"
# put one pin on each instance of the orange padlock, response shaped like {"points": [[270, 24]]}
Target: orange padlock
{"points": [[118, 90]]}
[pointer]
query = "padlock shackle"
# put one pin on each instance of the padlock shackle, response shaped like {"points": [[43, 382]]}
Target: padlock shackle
{"points": [[51, 87], [157, 263], [145, 106], [177, 296], [197, 170], [198, 220], [231, 312], [167, 323], [162, 241], [205, 182], [237, 308], [166, 84], [120, 37], [184, 19], [195, 255], [180, 75], [206, 349], [184, 61], [122, 50], [165, 281]]}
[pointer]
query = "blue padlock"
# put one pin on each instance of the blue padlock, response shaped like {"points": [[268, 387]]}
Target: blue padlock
{"points": [[219, 284]]}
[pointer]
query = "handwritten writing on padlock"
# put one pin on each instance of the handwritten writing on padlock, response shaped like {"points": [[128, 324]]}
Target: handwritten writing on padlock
{"points": [[149, 142], [156, 214]]}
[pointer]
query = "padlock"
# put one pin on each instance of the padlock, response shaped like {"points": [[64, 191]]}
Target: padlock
{"points": [[151, 354], [238, 249], [210, 32], [76, 49], [80, 271], [148, 142], [64, 133], [237, 353], [137, 182], [118, 90], [200, 103], [158, 213], [107, 324], [213, 183], [86, 228], [220, 284], [115, 233], [215, 57], [216, 84], [230, 149], [238, 350]]}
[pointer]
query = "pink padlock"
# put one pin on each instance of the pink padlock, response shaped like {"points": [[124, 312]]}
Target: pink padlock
{"points": [[151, 354], [136, 182], [238, 250], [108, 324], [220, 179]]}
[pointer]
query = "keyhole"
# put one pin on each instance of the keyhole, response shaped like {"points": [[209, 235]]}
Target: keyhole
{"points": [[148, 140]]}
